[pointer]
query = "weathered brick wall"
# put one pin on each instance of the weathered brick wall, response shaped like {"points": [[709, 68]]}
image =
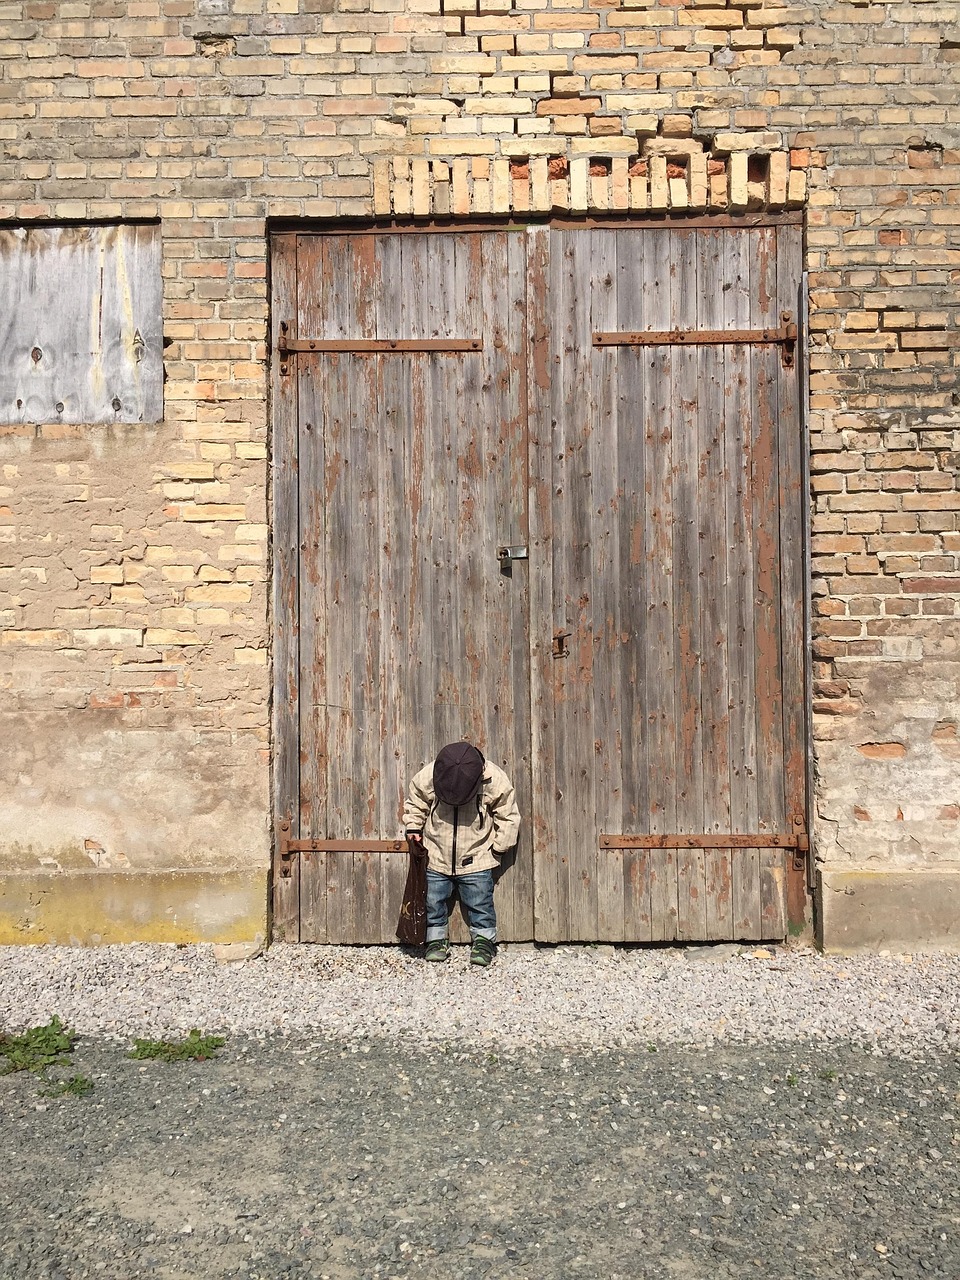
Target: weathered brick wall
{"points": [[135, 628]]}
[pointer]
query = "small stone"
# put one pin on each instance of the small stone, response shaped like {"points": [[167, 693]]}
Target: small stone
{"points": [[715, 952], [236, 952]]}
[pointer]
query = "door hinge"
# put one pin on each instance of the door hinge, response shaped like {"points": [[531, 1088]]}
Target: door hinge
{"points": [[288, 848], [288, 346], [785, 336]]}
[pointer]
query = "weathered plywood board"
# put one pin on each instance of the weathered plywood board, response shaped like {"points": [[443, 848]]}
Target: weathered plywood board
{"points": [[81, 327]]}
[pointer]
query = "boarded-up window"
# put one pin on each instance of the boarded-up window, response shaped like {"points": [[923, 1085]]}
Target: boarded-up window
{"points": [[81, 333]]}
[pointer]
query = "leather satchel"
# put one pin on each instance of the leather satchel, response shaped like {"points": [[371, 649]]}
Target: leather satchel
{"points": [[412, 925]]}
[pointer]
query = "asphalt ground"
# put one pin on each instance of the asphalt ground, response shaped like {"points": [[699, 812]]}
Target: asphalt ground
{"points": [[369, 1157]]}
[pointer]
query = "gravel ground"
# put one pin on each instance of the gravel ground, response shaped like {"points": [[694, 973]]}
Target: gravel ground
{"points": [[570, 1114], [575, 996]]}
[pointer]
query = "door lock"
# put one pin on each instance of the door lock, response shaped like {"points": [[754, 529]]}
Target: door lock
{"points": [[507, 555]]}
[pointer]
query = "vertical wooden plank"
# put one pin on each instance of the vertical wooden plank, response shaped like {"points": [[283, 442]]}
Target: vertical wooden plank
{"points": [[285, 596], [658, 588], [337, 896], [691, 895], [318, 444], [764, 366], [686, 412], [576, 582], [716, 542], [560, 624], [773, 897], [367, 878], [745, 894], [313, 896], [546, 865], [664, 912], [745, 890], [718, 875], [503, 486], [792, 534], [398, 657], [562, 615], [636, 895], [404, 502], [605, 586], [632, 499], [393, 876]]}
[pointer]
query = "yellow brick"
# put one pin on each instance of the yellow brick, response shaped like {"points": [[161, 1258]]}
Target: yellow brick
{"points": [[107, 637], [106, 573], [52, 639], [161, 636], [716, 18], [250, 657], [212, 511], [219, 593]]}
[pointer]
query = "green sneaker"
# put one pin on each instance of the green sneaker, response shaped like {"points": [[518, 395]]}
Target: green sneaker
{"points": [[438, 951], [483, 952]]}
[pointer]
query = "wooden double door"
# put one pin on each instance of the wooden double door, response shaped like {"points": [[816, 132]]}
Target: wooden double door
{"points": [[541, 488]]}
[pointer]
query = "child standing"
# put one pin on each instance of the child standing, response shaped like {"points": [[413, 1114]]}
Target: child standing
{"points": [[464, 810]]}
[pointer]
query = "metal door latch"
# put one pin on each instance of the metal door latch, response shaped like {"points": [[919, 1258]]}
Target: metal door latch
{"points": [[560, 649], [507, 555]]}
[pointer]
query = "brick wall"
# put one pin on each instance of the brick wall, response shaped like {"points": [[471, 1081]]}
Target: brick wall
{"points": [[135, 630]]}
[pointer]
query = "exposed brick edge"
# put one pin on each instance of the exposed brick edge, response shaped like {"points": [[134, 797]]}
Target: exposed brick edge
{"points": [[435, 188]]}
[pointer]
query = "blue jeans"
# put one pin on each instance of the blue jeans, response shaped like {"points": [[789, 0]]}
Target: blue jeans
{"points": [[476, 900]]}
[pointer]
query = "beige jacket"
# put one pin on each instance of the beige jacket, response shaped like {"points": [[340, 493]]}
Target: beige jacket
{"points": [[471, 836]]}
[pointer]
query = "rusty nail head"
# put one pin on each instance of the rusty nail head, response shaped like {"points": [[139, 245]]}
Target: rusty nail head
{"points": [[36, 355]]}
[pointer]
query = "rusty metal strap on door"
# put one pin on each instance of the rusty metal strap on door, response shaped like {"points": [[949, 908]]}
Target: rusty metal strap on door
{"points": [[288, 847], [761, 840], [785, 336], [288, 346]]}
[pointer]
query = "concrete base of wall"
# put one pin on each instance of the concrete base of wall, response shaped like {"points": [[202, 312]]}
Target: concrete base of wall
{"points": [[91, 909], [892, 910]]}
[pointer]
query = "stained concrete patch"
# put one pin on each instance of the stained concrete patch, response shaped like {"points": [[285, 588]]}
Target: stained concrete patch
{"points": [[96, 908], [897, 910]]}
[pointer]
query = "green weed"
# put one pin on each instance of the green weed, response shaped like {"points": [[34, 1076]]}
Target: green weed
{"points": [[196, 1046], [76, 1086], [827, 1073], [37, 1048]]}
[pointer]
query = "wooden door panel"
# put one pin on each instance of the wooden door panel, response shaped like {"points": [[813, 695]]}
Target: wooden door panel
{"points": [[412, 474], [659, 637], [667, 480]]}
